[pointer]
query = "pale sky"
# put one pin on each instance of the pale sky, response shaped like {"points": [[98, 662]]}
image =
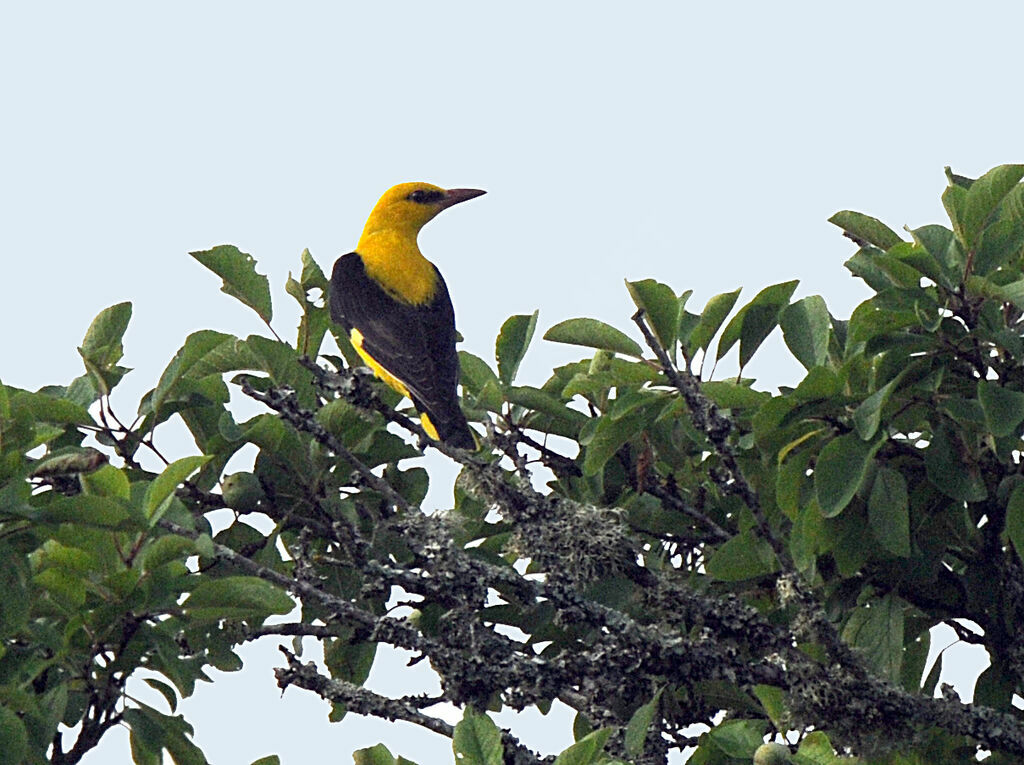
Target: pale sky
{"points": [[703, 145]]}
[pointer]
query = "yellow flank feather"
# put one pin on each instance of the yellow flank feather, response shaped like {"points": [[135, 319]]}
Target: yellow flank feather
{"points": [[356, 337], [388, 247], [428, 426]]}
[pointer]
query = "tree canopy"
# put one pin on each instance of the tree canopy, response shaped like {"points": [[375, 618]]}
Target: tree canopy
{"points": [[709, 567]]}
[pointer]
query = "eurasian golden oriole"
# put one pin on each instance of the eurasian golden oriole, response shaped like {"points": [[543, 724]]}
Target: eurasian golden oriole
{"points": [[395, 305]]}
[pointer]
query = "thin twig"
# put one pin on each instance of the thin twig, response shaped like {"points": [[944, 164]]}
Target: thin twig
{"points": [[718, 429], [718, 533], [285, 404]]}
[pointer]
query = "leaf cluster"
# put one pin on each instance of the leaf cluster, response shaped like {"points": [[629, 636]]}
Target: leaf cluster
{"points": [[767, 566]]}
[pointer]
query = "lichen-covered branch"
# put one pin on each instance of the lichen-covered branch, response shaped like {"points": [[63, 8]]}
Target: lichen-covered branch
{"points": [[621, 658], [355, 698]]}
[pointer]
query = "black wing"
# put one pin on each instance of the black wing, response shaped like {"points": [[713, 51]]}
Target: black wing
{"points": [[416, 344]]}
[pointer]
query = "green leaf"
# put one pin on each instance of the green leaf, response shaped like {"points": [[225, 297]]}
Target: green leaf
{"points": [[948, 469], [932, 680], [158, 731], [995, 688], [745, 556], [1004, 408], [280, 361], [773, 700], [315, 320], [636, 730], [312, 274], [477, 740], [476, 373], [165, 549], [1000, 241], [239, 597], [67, 588], [238, 270], [728, 394], [513, 340], [947, 261], [374, 755], [610, 434], [102, 344], [161, 490], [819, 383], [585, 751], [791, 478], [661, 305], [915, 657], [840, 470], [541, 401], [46, 408], [350, 661], [142, 754], [231, 355], [985, 196], [863, 228], [889, 511], [108, 481], [954, 200], [738, 738], [1012, 293], [883, 270], [957, 180], [868, 415], [817, 748], [805, 328], [755, 321], [89, 510], [169, 694], [876, 628], [593, 334], [15, 601], [1015, 519], [687, 324], [102, 349], [187, 362], [711, 319], [13, 738]]}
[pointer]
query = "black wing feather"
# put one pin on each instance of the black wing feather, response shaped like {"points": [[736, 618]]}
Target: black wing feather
{"points": [[416, 344]]}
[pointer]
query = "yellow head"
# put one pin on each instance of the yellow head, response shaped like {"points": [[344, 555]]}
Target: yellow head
{"points": [[407, 207]]}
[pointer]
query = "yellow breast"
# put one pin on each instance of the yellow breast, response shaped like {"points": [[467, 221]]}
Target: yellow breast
{"points": [[394, 261]]}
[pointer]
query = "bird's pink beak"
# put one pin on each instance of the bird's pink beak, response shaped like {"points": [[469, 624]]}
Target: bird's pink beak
{"points": [[454, 196]]}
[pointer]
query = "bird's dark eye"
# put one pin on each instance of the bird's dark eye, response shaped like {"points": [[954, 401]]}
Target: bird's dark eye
{"points": [[425, 196]]}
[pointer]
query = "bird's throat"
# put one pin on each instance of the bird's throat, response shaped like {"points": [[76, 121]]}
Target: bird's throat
{"points": [[393, 260]]}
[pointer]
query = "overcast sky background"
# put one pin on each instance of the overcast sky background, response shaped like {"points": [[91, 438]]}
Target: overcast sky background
{"points": [[702, 145]]}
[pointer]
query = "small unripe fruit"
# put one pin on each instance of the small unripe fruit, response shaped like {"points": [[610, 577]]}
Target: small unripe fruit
{"points": [[772, 754], [242, 492]]}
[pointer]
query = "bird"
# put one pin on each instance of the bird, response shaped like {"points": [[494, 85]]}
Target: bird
{"points": [[395, 306]]}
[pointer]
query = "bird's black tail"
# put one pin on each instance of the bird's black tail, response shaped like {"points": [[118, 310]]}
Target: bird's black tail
{"points": [[459, 436]]}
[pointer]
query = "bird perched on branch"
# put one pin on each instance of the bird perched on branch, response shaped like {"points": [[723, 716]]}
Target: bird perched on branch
{"points": [[395, 305]]}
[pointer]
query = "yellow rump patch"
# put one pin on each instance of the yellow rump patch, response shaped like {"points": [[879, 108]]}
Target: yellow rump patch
{"points": [[356, 338]]}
